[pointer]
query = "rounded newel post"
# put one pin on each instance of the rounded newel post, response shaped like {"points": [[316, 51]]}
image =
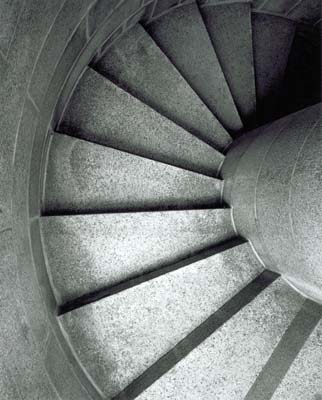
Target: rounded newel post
{"points": [[273, 183]]}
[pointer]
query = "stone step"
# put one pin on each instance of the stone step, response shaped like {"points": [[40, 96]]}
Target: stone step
{"points": [[303, 380], [275, 6], [132, 330], [139, 66], [270, 57], [86, 177], [230, 29], [102, 112], [308, 11], [88, 252], [226, 364], [183, 37]]}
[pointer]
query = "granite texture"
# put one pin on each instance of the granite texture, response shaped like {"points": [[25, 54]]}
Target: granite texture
{"points": [[101, 112], [164, 5], [308, 11], [304, 378], [33, 365], [286, 352], [99, 11], [21, 365], [85, 177], [169, 308], [227, 363], [182, 33], [9, 16], [139, 66], [270, 57], [23, 328], [230, 30], [24, 48], [26, 322], [278, 6], [125, 245], [68, 19], [276, 198]]}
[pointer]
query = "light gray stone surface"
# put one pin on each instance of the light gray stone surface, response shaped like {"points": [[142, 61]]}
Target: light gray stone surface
{"points": [[88, 252], [230, 30], [138, 65], [276, 197], [304, 378], [226, 364], [25, 45], [117, 338], [102, 112], [24, 323], [99, 11], [270, 57], [22, 372], [9, 16], [67, 21], [82, 176], [183, 37]]}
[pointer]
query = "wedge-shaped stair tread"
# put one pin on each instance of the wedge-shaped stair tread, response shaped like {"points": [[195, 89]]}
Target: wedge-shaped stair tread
{"points": [[304, 378], [138, 65], [149, 320], [102, 112], [183, 37], [277, 6], [83, 176], [227, 363], [308, 11], [270, 58], [230, 30], [87, 252]]}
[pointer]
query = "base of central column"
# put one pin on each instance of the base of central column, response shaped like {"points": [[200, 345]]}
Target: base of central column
{"points": [[273, 183]]}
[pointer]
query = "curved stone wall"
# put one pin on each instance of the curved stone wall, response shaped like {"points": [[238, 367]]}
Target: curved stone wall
{"points": [[52, 44], [44, 48]]}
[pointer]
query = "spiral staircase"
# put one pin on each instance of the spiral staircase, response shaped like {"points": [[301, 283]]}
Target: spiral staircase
{"points": [[128, 268]]}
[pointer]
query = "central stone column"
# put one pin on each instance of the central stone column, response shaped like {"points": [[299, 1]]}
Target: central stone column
{"points": [[273, 183]]}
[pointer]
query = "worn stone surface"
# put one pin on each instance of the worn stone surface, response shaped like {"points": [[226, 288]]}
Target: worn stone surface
{"points": [[100, 10], [164, 5], [60, 374], [83, 176], [169, 308], [182, 33], [89, 252], [9, 16], [230, 30], [69, 17], [308, 11], [227, 363], [101, 112], [304, 378], [276, 198], [278, 6], [24, 48], [21, 362], [138, 65], [270, 57]]}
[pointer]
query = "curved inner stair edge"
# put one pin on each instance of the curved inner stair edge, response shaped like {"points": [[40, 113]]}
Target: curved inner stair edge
{"points": [[157, 294]]}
